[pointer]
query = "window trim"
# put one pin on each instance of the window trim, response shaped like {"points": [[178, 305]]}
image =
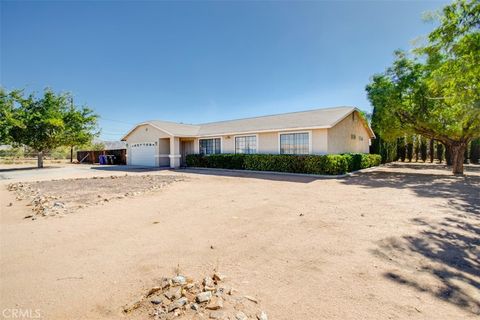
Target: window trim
{"points": [[245, 135], [210, 138], [290, 132]]}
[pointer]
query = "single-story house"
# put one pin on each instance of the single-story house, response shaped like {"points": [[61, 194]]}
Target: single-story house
{"points": [[159, 143]]}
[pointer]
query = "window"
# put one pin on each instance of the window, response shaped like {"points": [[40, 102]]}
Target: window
{"points": [[360, 138], [246, 144], [210, 146], [294, 143], [353, 136]]}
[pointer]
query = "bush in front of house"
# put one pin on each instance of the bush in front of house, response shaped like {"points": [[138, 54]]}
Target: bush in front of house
{"points": [[331, 164]]}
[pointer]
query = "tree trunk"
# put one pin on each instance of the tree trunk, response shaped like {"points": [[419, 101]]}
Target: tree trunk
{"points": [[458, 153], [40, 159], [432, 150], [71, 154], [448, 155]]}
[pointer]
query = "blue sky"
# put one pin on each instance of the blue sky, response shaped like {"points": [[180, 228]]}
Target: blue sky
{"points": [[201, 61]]}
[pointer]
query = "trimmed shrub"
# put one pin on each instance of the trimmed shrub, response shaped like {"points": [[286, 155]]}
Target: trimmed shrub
{"points": [[332, 164]]}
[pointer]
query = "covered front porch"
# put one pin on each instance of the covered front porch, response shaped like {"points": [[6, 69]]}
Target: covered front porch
{"points": [[173, 151]]}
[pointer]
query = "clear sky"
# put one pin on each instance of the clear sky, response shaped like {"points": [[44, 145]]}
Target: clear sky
{"points": [[203, 61]]}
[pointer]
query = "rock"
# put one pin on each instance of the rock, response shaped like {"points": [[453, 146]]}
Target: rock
{"points": [[177, 304], [28, 217], [58, 204], [190, 296], [10, 204], [155, 301], [218, 276], [209, 284], [217, 315], [132, 307], [251, 299], [262, 316], [179, 280], [203, 296], [215, 304], [165, 283], [173, 293], [153, 290], [195, 307], [241, 316]]}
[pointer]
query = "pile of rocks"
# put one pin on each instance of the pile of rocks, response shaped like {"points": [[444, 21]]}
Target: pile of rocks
{"points": [[41, 204], [183, 298], [58, 197]]}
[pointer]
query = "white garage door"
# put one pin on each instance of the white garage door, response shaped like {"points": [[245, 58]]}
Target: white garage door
{"points": [[142, 154]]}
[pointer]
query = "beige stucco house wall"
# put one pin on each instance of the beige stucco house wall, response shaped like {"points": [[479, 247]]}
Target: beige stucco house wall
{"points": [[349, 135], [330, 131]]}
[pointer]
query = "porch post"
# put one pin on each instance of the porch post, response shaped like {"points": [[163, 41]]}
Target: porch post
{"points": [[174, 152]]}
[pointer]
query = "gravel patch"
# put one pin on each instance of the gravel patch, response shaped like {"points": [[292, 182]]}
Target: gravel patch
{"points": [[58, 197]]}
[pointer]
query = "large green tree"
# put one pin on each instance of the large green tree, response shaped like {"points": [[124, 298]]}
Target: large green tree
{"points": [[80, 127], [435, 92], [44, 123]]}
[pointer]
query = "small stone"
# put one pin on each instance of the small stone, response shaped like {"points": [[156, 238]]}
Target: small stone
{"points": [[190, 296], [153, 290], [251, 299], [156, 301], [217, 315], [241, 316], [179, 280], [262, 316], [10, 204], [215, 304], [195, 307], [203, 296], [173, 293], [209, 284], [59, 205], [165, 283], [177, 304], [218, 276], [28, 217]]}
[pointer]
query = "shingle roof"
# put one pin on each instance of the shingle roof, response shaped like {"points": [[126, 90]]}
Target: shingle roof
{"points": [[176, 129], [293, 120], [317, 118]]}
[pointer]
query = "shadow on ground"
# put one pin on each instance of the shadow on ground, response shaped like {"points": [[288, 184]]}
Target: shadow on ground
{"points": [[27, 168], [127, 168], [443, 259], [272, 176]]}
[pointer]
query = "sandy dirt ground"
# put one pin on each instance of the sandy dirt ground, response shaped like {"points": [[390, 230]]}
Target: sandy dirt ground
{"points": [[398, 242]]}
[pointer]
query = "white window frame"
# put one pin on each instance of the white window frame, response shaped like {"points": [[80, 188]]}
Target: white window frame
{"points": [[244, 135], [209, 138], [290, 132]]}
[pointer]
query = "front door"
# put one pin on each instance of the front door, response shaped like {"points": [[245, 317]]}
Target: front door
{"points": [[186, 147]]}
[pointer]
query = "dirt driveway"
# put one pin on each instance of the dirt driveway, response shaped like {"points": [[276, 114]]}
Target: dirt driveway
{"points": [[394, 243]]}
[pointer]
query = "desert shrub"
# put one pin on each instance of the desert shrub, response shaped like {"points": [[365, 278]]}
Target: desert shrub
{"points": [[331, 164]]}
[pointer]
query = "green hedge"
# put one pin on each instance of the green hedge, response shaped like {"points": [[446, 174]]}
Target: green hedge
{"points": [[331, 164]]}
